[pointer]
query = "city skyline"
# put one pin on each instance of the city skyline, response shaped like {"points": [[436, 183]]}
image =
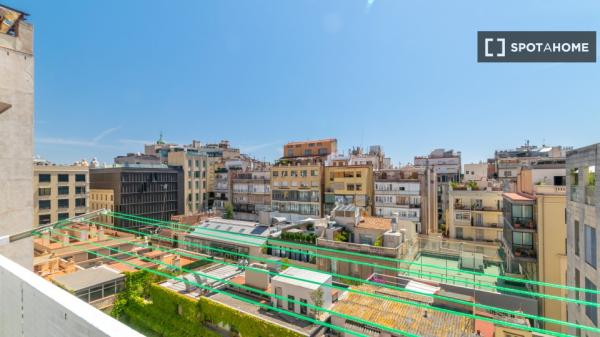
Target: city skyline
{"points": [[363, 74]]}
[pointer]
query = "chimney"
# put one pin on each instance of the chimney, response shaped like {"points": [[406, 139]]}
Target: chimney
{"points": [[93, 231], [395, 220], [101, 235]]}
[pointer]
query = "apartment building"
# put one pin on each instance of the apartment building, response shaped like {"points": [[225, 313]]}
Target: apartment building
{"points": [[16, 128], [194, 168], [411, 193], [447, 167], [102, 199], [375, 157], [252, 195], [475, 214], [347, 184], [321, 148], [535, 230], [508, 163], [583, 214], [297, 188], [153, 191], [60, 192], [475, 172]]}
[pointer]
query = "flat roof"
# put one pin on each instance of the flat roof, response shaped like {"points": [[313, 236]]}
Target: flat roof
{"points": [[87, 278], [370, 222], [252, 233], [313, 276], [517, 197]]}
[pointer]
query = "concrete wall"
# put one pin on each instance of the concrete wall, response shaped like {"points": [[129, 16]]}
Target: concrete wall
{"points": [[16, 140], [32, 306]]}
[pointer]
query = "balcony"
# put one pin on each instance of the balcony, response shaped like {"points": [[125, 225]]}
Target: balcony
{"points": [[550, 189], [478, 208], [573, 195], [590, 192], [40, 302], [524, 252], [523, 223]]}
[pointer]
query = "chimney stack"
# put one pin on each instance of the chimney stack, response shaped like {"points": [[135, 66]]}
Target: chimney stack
{"points": [[101, 235], [93, 231], [395, 220]]}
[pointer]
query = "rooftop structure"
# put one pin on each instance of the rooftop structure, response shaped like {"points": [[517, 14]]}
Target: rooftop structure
{"points": [[398, 316], [321, 147]]}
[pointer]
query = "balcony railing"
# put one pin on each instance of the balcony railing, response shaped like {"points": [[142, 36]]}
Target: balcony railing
{"points": [[523, 223], [477, 208], [524, 251]]}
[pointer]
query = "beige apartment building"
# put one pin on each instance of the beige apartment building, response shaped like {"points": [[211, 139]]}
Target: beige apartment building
{"points": [[348, 185], [534, 234], [60, 192], [102, 199], [194, 167], [321, 148], [475, 214], [297, 188]]}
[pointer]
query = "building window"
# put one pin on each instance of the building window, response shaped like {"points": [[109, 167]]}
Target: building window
{"points": [[63, 216], [44, 204], [290, 152], [63, 178], [44, 178], [291, 305], [79, 190], [322, 151], [314, 173], [303, 307], [307, 152], [576, 236], [275, 173], [590, 311], [80, 202], [577, 283], [590, 245], [523, 239], [44, 219], [63, 203], [80, 178], [459, 232], [63, 190], [44, 191]]}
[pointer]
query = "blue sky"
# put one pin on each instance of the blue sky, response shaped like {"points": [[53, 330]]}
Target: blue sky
{"points": [[110, 75]]}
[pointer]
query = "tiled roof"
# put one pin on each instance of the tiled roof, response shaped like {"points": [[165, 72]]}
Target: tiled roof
{"points": [[403, 316], [370, 222], [517, 197]]}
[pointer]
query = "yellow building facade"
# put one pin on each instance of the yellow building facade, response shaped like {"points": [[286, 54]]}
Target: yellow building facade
{"points": [[475, 215], [297, 188], [102, 199], [352, 184]]}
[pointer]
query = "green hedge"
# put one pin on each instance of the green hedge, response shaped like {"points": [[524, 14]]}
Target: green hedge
{"points": [[157, 311]]}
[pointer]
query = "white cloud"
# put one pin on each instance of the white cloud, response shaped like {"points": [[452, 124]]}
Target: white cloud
{"points": [[94, 142]]}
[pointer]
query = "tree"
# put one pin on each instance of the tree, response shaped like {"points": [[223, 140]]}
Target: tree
{"points": [[228, 211], [317, 299]]}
